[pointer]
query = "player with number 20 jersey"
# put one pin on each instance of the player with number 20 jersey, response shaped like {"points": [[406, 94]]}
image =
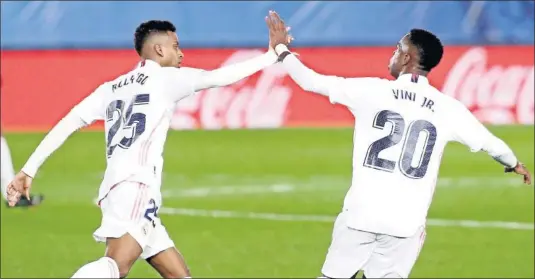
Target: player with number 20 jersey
{"points": [[401, 130]]}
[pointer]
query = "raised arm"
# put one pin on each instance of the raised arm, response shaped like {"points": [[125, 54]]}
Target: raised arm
{"points": [[305, 77], [233, 73], [185, 81], [349, 92]]}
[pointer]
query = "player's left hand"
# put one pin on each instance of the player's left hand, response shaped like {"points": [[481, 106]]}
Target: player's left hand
{"points": [[21, 185], [522, 170], [278, 31]]}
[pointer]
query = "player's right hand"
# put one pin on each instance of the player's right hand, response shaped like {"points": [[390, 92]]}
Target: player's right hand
{"points": [[522, 170], [21, 185], [278, 31]]}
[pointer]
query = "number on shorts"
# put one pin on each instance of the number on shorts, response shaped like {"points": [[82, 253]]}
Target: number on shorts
{"points": [[134, 122], [153, 209], [372, 159]]}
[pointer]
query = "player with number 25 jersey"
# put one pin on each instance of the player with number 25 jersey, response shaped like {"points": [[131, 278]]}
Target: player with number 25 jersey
{"points": [[137, 108]]}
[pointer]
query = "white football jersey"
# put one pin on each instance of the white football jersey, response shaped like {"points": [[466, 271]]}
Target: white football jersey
{"points": [[137, 108], [401, 129]]}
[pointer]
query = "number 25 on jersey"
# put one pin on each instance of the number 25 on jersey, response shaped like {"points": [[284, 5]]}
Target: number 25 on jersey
{"points": [[130, 124]]}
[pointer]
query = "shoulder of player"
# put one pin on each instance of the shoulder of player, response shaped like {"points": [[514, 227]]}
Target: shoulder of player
{"points": [[367, 82], [451, 101], [181, 70]]}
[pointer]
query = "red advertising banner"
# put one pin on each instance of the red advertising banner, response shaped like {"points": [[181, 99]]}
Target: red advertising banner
{"points": [[39, 87]]}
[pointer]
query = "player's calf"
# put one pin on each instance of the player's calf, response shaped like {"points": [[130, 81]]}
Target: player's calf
{"points": [[102, 268], [352, 277]]}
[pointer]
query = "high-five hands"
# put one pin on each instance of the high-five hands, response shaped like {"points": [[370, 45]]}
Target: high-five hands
{"points": [[278, 31]]}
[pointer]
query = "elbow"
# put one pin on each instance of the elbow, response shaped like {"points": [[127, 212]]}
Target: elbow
{"points": [[496, 147]]}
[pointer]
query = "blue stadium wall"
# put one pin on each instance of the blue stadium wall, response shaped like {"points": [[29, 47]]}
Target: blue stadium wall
{"points": [[110, 24]]}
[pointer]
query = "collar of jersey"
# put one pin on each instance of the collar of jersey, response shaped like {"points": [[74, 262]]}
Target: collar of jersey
{"points": [[408, 78], [146, 62]]}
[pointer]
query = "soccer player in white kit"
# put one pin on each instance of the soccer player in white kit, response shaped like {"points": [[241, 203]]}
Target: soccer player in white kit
{"points": [[137, 108], [401, 129]]}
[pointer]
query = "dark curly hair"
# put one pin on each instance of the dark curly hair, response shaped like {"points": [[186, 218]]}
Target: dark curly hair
{"points": [[146, 29], [429, 47]]}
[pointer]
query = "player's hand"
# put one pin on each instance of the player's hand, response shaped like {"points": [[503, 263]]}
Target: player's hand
{"points": [[522, 170], [21, 185], [278, 31]]}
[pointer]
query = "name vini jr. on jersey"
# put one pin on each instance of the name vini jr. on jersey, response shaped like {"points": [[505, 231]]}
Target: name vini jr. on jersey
{"points": [[400, 94], [139, 78]]}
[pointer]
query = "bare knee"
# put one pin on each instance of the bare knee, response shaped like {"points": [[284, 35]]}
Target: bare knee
{"points": [[124, 251], [124, 268]]}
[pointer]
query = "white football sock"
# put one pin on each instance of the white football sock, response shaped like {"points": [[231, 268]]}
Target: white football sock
{"points": [[7, 173], [102, 268]]}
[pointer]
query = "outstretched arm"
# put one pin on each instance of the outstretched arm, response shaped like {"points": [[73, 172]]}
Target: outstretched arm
{"points": [[22, 182], [233, 73], [503, 154], [469, 131], [83, 114], [331, 86], [305, 77], [52, 141], [186, 81]]}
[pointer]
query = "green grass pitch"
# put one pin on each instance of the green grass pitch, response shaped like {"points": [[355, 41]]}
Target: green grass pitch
{"points": [[287, 173]]}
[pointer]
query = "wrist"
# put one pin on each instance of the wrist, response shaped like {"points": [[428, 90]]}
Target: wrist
{"points": [[271, 56], [280, 48], [29, 171]]}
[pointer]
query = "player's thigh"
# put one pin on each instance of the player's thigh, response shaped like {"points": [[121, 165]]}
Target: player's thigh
{"points": [[161, 253], [395, 257], [170, 264], [124, 251], [126, 225], [349, 251]]}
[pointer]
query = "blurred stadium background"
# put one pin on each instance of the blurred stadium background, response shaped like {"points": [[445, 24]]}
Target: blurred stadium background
{"points": [[246, 202]]}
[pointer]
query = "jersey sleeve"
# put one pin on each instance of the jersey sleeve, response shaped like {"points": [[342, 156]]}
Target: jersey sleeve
{"points": [[181, 81], [353, 92], [472, 133], [467, 129], [92, 107]]}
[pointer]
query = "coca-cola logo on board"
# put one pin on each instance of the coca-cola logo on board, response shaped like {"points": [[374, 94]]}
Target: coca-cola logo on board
{"points": [[496, 94]]}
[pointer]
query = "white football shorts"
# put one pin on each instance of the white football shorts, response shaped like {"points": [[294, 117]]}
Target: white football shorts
{"points": [[378, 255], [132, 207]]}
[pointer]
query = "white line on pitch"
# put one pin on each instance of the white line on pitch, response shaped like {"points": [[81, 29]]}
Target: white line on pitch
{"points": [[335, 185], [330, 219], [324, 186]]}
